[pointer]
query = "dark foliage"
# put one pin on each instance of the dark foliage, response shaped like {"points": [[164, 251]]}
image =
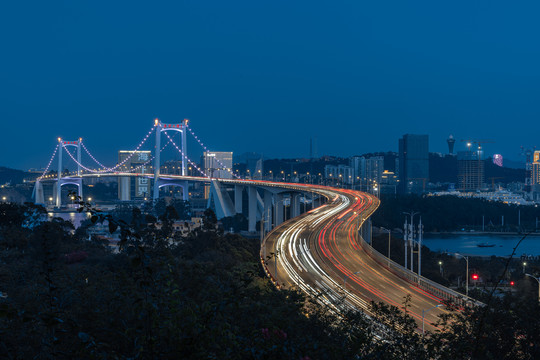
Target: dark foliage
{"points": [[204, 296]]}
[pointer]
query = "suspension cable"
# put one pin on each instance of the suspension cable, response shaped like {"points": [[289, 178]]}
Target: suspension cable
{"points": [[50, 162], [206, 149], [111, 169], [185, 157]]}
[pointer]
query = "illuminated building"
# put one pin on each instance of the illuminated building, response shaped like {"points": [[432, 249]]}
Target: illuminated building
{"points": [[535, 173], [130, 188]]}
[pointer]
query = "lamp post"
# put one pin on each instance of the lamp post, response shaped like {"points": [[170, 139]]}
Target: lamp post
{"points": [[538, 280], [424, 312], [467, 272], [524, 264], [440, 267]]}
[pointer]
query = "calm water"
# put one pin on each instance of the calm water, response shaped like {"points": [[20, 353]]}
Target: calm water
{"points": [[467, 244], [75, 217]]}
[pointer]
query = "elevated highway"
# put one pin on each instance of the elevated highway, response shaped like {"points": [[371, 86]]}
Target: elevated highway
{"points": [[322, 253]]}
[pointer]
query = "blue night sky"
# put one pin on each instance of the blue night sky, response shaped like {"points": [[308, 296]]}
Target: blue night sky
{"points": [[265, 76]]}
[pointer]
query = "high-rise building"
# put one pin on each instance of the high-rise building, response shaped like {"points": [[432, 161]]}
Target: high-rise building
{"points": [[131, 188], [366, 171], [338, 174], [470, 170], [218, 164], [358, 165], [413, 163], [375, 169], [535, 173]]}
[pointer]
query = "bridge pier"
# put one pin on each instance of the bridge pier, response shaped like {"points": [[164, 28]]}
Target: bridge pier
{"points": [[278, 208], [124, 188], [39, 197], [238, 190], [295, 205], [252, 217], [267, 210], [222, 200]]}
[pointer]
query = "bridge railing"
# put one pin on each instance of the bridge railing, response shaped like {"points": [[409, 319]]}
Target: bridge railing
{"points": [[421, 282]]}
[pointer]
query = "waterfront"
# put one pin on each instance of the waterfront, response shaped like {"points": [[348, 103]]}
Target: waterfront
{"points": [[75, 217], [468, 244]]}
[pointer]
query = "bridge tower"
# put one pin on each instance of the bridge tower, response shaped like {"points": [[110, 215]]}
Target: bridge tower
{"points": [[182, 129], [60, 181]]}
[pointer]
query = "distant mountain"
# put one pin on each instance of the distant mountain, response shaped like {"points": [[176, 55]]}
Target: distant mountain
{"points": [[243, 158], [513, 164], [444, 168], [12, 176]]}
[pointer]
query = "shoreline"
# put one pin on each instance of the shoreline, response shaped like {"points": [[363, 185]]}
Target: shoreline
{"points": [[479, 233]]}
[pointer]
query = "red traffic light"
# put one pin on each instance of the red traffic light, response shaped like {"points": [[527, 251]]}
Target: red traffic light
{"points": [[474, 276], [512, 283]]}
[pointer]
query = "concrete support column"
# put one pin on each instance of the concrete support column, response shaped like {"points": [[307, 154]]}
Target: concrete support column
{"points": [[295, 205], [80, 190], [184, 148], [252, 218], [56, 196], [185, 191], [124, 188], [39, 197], [267, 210], [278, 209], [238, 189], [157, 161]]}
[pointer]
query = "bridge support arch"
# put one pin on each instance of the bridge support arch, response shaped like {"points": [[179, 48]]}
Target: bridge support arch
{"points": [[60, 182], [184, 184], [181, 128], [57, 190]]}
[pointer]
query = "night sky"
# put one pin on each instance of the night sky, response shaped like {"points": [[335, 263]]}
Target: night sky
{"points": [[265, 76]]}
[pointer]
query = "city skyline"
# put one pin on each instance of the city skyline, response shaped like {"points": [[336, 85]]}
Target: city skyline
{"points": [[354, 76]]}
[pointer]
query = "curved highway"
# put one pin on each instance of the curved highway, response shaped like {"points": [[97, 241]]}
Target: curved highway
{"points": [[319, 253]]}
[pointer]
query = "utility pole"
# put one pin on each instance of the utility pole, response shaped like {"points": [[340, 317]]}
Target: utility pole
{"points": [[411, 237], [405, 239], [420, 233]]}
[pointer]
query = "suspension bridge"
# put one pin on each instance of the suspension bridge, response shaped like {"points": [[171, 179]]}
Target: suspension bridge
{"points": [[322, 251], [266, 200]]}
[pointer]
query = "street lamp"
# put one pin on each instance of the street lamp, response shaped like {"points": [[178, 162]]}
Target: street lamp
{"points": [[524, 264], [424, 312], [467, 272], [440, 267], [538, 280]]}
